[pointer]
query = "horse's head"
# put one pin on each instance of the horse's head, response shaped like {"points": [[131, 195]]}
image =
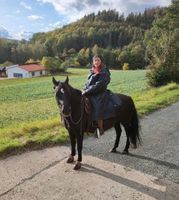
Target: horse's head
{"points": [[63, 96]]}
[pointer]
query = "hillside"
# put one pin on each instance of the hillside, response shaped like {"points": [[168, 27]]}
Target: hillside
{"points": [[119, 39], [106, 29]]}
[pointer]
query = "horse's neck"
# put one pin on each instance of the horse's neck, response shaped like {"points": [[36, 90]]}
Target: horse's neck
{"points": [[77, 107], [76, 99]]}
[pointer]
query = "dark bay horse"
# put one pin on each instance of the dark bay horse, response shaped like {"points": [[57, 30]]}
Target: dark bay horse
{"points": [[71, 105]]}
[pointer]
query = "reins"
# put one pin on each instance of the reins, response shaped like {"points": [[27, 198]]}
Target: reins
{"points": [[71, 118], [82, 112]]}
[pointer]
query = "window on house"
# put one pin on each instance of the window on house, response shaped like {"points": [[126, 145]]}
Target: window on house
{"points": [[33, 73], [40, 72], [17, 75]]}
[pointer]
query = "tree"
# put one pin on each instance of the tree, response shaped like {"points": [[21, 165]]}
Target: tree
{"points": [[7, 63], [162, 47], [30, 61], [52, 64]]}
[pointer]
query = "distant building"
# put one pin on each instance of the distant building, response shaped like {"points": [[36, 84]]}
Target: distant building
{"points": [[25, 71], [2, 72]]}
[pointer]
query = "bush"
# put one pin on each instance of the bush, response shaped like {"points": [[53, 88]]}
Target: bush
{"points": [[77, 64], [52, 64], [125, 66], [158, 76], [63, 67]]}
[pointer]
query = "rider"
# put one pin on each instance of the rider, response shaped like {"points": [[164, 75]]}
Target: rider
{"points": [[96, 88]]}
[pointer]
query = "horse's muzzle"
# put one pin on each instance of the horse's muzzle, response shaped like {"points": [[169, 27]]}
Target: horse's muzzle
{"points": [[66, 112]]}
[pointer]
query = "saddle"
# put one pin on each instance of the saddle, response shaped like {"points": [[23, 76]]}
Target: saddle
{"points": [[88, 109], [113, 105], [88, 106]]}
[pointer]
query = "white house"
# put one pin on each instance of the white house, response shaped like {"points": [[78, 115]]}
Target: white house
{"points": [[25, 71]]}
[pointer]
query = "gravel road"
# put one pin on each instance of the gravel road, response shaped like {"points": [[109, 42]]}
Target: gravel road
{"points": [[149, 172]]}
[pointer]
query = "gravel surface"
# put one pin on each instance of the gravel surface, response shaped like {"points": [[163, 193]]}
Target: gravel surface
{"points": [[149, 172]]}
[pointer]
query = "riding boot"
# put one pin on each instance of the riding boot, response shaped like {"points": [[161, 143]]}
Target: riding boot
{"points": [[100, 126]]}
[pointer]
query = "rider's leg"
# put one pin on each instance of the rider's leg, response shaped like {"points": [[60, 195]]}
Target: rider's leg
{"points": [[100, 126]]}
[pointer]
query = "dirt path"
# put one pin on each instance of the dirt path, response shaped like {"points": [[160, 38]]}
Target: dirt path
{"points": [[150, 172]]}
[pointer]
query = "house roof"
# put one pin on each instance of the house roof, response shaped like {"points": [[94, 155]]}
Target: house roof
{"points": [[32, 67]]}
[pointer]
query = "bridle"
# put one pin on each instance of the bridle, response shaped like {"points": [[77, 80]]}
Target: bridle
{"points": [[81, 114], [65, 116]]}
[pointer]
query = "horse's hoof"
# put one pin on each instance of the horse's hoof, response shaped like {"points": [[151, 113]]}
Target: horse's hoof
{"points": [[77, 166], [133, 146], [125, 152], [70, 159], [112, 151]]}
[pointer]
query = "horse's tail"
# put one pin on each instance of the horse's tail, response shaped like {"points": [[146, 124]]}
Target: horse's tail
{"points": [[134, 130]]}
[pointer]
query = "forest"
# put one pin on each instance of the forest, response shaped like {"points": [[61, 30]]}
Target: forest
{"points": [[139, 40], [106, 30]]}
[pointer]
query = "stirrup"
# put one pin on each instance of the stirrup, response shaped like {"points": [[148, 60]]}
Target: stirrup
{"points": [[98, 133]]}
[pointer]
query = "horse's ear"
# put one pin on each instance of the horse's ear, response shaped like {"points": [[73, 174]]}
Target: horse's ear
{"points": [[67, 80], [55, 82]]}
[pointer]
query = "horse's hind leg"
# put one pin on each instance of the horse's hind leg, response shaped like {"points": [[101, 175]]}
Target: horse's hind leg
{"points": [[118, 135], [125, 151]]}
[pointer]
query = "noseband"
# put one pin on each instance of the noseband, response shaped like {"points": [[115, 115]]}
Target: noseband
{"points": [[70, 113]]}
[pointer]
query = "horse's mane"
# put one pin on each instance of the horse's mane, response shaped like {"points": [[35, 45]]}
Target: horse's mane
{"points": [[74, 90]]}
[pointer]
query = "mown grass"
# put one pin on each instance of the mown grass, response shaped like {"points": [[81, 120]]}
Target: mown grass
{"points": [[29, 116], [156, 98], [27, 100]]}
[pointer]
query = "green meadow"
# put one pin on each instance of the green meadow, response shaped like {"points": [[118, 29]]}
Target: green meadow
{"points": [[29, 116]]}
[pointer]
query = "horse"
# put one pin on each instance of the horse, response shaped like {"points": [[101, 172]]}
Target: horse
{"points": [[72, 110]]}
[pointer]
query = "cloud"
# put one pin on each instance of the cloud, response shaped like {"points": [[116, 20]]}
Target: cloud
{"points": [[75, 9], [34, 17], [17, 11], [58, 24], [23, 4], [23, 35], [151, 2]]}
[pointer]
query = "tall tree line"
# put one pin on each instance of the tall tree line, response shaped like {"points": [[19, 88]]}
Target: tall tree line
{"points": [[163, 47], [107, 29]]}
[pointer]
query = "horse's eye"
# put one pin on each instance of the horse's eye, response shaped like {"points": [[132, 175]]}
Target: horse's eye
{"points": [[62, 90]]}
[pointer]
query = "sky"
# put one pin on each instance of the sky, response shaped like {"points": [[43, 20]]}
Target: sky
{"points": [[19, 16]]}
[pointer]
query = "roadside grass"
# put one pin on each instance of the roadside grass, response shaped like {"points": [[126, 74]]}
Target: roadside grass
{"points": [[34, 135], [156, 98], [33, 121]]}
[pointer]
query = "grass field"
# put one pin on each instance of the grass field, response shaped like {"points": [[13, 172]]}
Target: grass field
{"points": [[27, 100], [29, 114]]}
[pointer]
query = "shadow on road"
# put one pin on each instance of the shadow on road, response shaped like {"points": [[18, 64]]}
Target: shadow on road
{"points": [[158, 162], [129, 183]]}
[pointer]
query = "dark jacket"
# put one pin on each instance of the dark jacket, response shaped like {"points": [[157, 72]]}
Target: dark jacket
{"points": [[97, 83], [96, 89]]}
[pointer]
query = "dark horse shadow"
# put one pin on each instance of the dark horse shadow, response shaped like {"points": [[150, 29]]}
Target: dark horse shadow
{"points": [[159, 168], [158, 162], [157, 194]]}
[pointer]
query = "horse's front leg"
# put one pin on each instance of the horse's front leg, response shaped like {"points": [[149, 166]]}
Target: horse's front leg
{"points": [[73, 147], [79, 148]]}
